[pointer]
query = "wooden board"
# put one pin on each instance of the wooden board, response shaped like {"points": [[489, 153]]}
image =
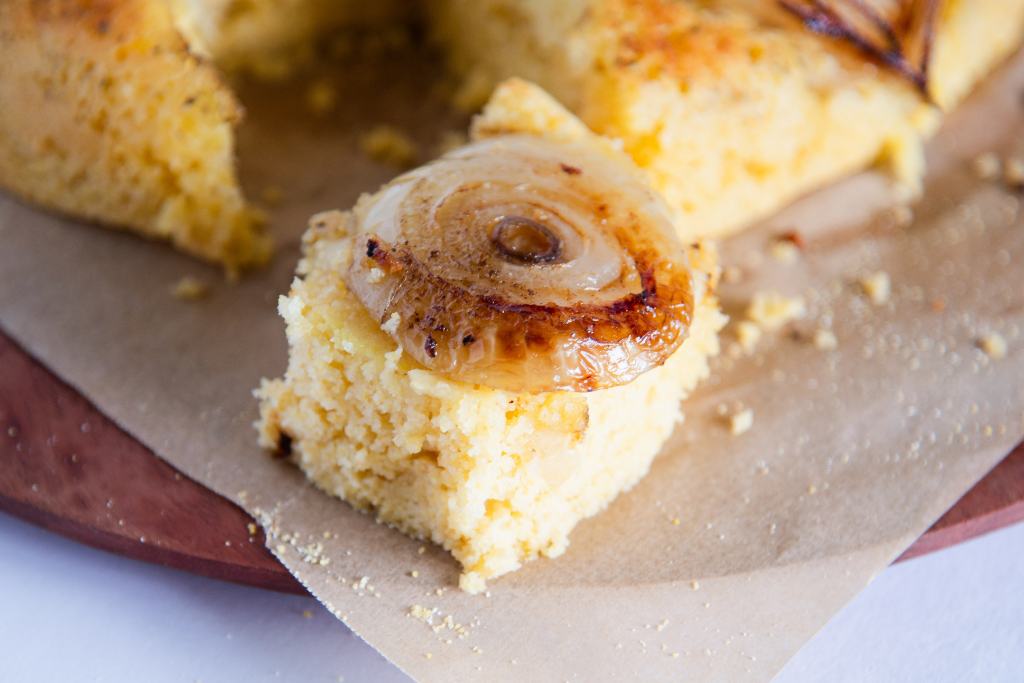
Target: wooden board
{"points": [[67, 467]]}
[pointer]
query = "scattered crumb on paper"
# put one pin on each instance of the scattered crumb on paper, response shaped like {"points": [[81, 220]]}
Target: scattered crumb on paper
{"points": [[389, 145], [772, 310]]}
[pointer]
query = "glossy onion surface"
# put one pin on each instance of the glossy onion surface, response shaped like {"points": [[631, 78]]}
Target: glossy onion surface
{"points": [[526, 265]]}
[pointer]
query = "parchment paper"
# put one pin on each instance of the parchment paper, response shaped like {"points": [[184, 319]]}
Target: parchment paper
{"points": [[853, 453]]}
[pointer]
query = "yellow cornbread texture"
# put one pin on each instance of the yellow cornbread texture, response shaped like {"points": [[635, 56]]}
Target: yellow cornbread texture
{"points": [[733, 107], [496, 477], [114, 112], [107, 115]]}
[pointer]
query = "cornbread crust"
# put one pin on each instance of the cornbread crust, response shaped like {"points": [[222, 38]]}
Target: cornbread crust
{"points": [[107, 115], [496, 477], [733, 107]]}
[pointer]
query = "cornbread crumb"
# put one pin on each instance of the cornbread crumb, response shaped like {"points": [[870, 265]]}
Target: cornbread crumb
{"points": [[994, 346], [450, 140], [272, 195], [391, 326], [389, 145], [902, 215], [772, 310], [987, 166], [321, 97], [473, 92], [251, 528], [748, 334], [825, 340], [421, 613], [414, 574], [307, 614], [189, 288], [784, 250], [731, 275], [877, 286], [695, 585], [428, 655], [741, 422], [1013, 172]]}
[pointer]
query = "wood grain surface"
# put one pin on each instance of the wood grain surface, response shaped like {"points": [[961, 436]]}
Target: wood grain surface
{"points": [[68, 468]]}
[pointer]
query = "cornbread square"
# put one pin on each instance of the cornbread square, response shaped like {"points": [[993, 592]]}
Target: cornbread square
{"points": [[496, 477], [733, 107], [107, 115], [114, 112]]}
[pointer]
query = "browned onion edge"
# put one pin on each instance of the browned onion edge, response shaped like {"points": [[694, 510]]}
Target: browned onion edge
{"points": [[625, 312]]}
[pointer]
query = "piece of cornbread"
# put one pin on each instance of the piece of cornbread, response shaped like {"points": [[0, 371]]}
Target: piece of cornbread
{"points": [[496, 477], [108, 116], [113, 112], [733, 107]]}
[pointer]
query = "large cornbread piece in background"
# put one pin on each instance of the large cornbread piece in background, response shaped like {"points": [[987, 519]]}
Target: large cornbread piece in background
{"points": [[106, 115], [113, 110], [497, 477], [733, 106]]}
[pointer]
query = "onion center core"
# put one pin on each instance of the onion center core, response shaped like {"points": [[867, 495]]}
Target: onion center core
{"points": [[524, 240]]}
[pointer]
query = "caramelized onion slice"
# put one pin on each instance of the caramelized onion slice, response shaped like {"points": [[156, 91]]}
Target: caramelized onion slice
{"points": [[525, 265], [899, 33]]}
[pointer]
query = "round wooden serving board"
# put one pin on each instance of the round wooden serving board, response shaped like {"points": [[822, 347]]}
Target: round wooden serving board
{"points": [[67, 467]]}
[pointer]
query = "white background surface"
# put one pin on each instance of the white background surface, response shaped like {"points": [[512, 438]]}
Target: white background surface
{"points": [[71, 613]]}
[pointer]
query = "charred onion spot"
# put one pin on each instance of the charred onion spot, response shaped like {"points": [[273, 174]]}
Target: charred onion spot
{"points": [[468, 339], [382, 257], [430, 346], [571, 170], [284, 445], [525, 240]]}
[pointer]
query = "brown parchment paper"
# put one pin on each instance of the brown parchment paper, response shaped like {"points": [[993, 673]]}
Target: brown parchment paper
{"points": [[853, 453]]}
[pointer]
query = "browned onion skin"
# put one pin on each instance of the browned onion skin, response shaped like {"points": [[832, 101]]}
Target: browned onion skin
{"points": [[501, 334], [898, 33]]}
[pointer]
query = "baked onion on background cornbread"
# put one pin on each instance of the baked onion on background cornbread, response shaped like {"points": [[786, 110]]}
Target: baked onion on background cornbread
{"points": [[495, 345], [734, 107]]}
